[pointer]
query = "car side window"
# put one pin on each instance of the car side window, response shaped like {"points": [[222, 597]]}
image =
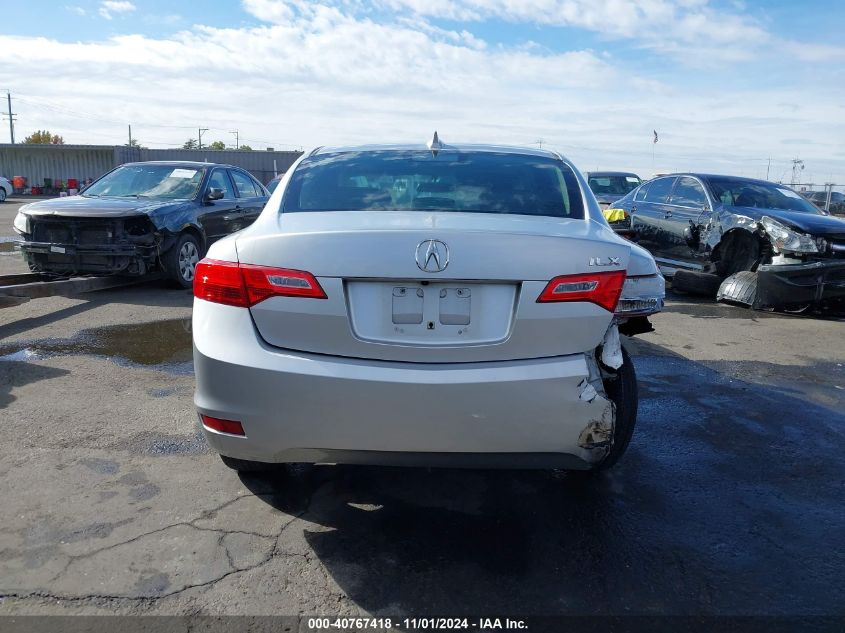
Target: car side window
{"points": [[244, 184], [642, 192], [659, 189], [259, 188], [219, 180], [688, 193]]}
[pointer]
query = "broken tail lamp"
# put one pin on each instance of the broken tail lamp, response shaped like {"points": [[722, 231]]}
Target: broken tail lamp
{"points": [[229, 427], [641, 295], [602, 289], [244, 285]]}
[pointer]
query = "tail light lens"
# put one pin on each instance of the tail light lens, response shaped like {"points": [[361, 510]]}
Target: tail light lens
{"points": [[603, 289], [244, 285]]}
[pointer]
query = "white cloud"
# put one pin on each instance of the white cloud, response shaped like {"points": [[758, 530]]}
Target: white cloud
{"points": [[689, 29], [109, 7], [313, 74], [77, 10]]}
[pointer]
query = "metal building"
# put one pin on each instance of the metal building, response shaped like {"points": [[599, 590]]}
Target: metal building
{"points": [[62, 162]]}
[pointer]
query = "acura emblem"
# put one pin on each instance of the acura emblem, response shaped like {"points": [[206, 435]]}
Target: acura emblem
{"points": [[432, 256]]}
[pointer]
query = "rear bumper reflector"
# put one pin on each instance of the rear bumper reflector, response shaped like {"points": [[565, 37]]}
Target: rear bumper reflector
{"points": [[231, 427]]}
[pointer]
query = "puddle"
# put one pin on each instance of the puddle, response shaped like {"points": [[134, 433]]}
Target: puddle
{"points": [[162, 345]]}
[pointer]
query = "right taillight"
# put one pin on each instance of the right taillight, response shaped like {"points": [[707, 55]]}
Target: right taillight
{"points": [[244, 285], [603, 289]]}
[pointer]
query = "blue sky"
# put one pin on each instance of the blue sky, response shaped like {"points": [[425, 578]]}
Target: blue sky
{"points": [[727, 84]]}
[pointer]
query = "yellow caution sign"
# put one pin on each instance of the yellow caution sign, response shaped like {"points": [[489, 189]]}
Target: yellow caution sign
{"points": [[614, 215]]}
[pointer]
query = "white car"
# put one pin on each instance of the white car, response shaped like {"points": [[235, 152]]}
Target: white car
{"points": [[422, 305], [6, 189]]}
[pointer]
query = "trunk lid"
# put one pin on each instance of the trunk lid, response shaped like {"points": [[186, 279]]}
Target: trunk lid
{"points": [[482, 306]]}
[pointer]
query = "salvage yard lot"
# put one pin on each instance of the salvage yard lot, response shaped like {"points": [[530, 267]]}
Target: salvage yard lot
{"points": [[726, 502]]}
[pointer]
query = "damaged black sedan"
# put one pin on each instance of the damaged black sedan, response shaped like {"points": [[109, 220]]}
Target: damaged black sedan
{"points": [[139, 218], [754, 242]]}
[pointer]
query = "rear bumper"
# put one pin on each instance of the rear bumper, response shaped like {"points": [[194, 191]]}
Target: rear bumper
{"points": [[297, 407], [815, 282]]}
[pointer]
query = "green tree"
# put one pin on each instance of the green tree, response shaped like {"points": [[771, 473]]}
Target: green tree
{"points": [[190, 144], [218, 145], [245, 148], [43, 137], [133, 143]]}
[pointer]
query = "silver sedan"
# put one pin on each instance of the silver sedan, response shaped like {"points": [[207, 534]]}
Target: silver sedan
{"points": [[433, 305]]}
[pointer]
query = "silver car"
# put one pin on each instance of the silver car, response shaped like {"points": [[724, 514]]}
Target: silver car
{"points": [[434, 305]]}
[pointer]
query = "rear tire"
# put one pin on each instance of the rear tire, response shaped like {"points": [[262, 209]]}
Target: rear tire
{"points": [[2, 194], [181, 260], [704, 284], [739, 289], [246, 466], [622, 390]]}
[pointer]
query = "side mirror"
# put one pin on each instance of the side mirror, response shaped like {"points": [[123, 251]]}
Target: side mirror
{"points": [[214, 194]]}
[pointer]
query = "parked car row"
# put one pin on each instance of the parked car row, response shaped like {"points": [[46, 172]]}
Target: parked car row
{"points": [[371, 267]]}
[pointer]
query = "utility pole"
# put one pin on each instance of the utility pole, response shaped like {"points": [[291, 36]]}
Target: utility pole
{"points": [[130, 135], [237, 138], [199, 136], [768, 167], [11, 116]]}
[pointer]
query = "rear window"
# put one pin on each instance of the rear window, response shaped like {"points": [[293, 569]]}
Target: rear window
{"points": [[613, 185], [467, 182]]}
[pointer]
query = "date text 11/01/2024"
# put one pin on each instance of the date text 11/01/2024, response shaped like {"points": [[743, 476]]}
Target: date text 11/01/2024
{"points": [[427, 624]]}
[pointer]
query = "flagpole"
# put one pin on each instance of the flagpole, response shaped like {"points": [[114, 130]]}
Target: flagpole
{"points": [[653, 143]]}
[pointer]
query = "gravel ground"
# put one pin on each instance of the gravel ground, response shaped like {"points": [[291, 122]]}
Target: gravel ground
{"points": [[728, 501]]}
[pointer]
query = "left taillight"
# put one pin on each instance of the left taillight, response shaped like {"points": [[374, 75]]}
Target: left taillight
{"points": [[244, 285], [603, 289]]}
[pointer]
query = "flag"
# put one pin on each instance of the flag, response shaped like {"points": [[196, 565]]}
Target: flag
{"points": [[655, 136]]}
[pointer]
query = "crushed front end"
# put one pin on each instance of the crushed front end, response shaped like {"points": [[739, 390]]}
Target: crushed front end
{"points": [[805, 270], [62, 245]]}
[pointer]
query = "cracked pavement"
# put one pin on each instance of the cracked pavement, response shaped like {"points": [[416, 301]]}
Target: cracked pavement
{"points": [[728, 501]]}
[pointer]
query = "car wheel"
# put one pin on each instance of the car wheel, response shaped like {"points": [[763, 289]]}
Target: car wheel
{"points": [[246, 466], [181, 260], [622, 390], [2, 194], [704, 284], [739, 251]]}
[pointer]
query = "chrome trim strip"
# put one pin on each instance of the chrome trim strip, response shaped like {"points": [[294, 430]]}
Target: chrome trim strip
{"points": [[675, 262]]}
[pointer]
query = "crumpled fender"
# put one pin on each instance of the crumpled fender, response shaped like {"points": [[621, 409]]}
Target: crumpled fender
{"points": [[722, 222], [173, 219]]}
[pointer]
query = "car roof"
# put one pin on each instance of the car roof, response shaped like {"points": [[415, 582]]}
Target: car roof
{"points": [[182, 163], [611, 173], [724, 177], [420, 147]]}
